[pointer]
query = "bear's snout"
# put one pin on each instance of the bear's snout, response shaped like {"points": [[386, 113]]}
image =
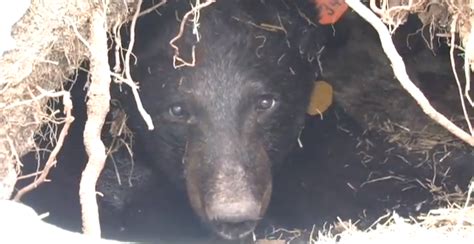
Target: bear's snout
{"points": [[234, 212], [228, 182], [235, 219]]}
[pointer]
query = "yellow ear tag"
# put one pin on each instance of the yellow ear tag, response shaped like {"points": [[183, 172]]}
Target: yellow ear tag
{"points": [[321, 98]]}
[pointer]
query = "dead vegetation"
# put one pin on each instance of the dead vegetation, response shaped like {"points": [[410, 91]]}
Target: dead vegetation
{"points": [[452, 223], [434, 227], [52, 41], [394, 15], [35, 71]]}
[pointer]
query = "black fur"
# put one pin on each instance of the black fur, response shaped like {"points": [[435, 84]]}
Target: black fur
{"points": [[224, 148]]}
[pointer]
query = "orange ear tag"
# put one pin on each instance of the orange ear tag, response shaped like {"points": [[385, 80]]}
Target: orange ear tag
{"points": [[330, 11]]}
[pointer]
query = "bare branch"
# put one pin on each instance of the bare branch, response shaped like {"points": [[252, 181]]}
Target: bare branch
{"points": [[151, 9], [52, 157], [453, 66], [128, 77]]}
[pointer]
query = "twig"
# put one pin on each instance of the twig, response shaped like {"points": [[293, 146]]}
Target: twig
{"points": [[264, 39], [178, 61], [97, 109], [468, 41], [388, 216], [400, 72], [14, 152], [390, 177], [34, 174], [151, 9], [118, 46], [52, 157], [128, 77], [132, 162], [453, 66], [311, 234], [78, 34], [195, 21], [43, 94], [132, 40]]}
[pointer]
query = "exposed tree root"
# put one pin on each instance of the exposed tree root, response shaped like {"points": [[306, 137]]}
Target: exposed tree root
{"points": [[125, 76], [52, 157], [177, 60], [97, 109]]}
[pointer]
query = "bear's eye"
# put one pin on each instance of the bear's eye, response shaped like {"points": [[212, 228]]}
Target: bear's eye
{"points": [[265, 102], [178, 110]]}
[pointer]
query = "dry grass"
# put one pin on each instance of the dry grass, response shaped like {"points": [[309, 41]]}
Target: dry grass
{"points": [[52, 40], [413, 141], [434, 227], [49, 50], [453, 223]]}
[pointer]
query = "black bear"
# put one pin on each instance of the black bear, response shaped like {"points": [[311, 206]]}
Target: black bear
{"points": [[222, 126]]}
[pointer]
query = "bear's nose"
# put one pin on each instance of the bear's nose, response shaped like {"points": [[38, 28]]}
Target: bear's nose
{"points": [[234, 220], [236, 212]]}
